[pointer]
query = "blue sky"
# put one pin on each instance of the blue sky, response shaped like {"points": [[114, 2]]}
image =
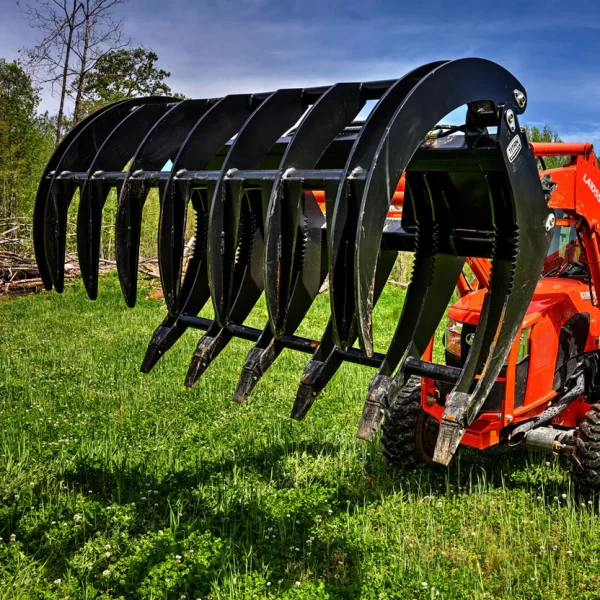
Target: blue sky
{"points": [[224, 46]]}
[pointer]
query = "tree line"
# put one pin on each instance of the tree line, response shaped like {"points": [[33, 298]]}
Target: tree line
{"points": [[28, 137]]}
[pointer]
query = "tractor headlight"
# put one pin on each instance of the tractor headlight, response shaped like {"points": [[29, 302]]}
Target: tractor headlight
{"points": [[523, 350], [452, 337]]}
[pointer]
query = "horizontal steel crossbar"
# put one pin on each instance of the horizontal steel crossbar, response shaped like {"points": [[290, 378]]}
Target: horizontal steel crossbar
{"points": [[416, 367]]}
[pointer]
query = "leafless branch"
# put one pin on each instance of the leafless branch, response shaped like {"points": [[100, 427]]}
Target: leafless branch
{"points": [[74, 35]]}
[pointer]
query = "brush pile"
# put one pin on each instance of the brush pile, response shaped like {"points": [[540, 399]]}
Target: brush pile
{"points": [[18, 270]]}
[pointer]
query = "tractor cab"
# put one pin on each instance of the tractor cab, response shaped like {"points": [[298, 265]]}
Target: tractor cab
{"points": [[564, 255]]}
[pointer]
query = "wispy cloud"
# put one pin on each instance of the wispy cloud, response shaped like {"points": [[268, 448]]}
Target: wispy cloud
{"points": [[589, 134], [216, 48]]}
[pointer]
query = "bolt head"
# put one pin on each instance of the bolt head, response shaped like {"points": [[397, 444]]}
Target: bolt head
{"points": [[520, 98], [549, 222], [510, 120]]}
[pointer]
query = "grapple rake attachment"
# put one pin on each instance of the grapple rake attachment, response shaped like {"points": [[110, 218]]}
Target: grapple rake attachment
{"points": [[288, 188]]}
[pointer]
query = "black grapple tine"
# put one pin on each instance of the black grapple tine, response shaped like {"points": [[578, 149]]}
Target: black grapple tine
{"points": [[516, 265], [235, 248], [429, 292], [208, 348], [318, 372], [259, 359], [263, 128], [266, 349], [194, 289], [295, 260], [346, 208], [311, 269], [116, 151], [463, 81], [212, 131], [78, 157], [326, 359], [160, 144], [248, 286], [334, 110], [42, 195], [433, 281], [55, 229]]}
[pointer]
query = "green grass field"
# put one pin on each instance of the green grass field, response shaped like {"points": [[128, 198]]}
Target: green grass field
{"points": [[115, 484]]}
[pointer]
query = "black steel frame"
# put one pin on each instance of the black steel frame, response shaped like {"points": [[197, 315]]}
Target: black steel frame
{"points": [[246, 174]]}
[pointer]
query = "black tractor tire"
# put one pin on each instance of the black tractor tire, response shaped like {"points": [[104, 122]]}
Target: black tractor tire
{"points": [[585, 461], [408, 432]]}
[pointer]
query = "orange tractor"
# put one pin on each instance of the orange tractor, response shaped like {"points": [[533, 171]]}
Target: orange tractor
{"points": [[289, 189], [545, 394]]}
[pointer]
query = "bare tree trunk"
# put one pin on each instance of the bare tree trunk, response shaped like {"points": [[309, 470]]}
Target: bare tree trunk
{"points": [[63, 87], [65, 74], [99, 34], [82, 70]]}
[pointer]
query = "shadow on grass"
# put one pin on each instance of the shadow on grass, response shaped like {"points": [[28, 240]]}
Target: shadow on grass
{"points": [[182, 504]]}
